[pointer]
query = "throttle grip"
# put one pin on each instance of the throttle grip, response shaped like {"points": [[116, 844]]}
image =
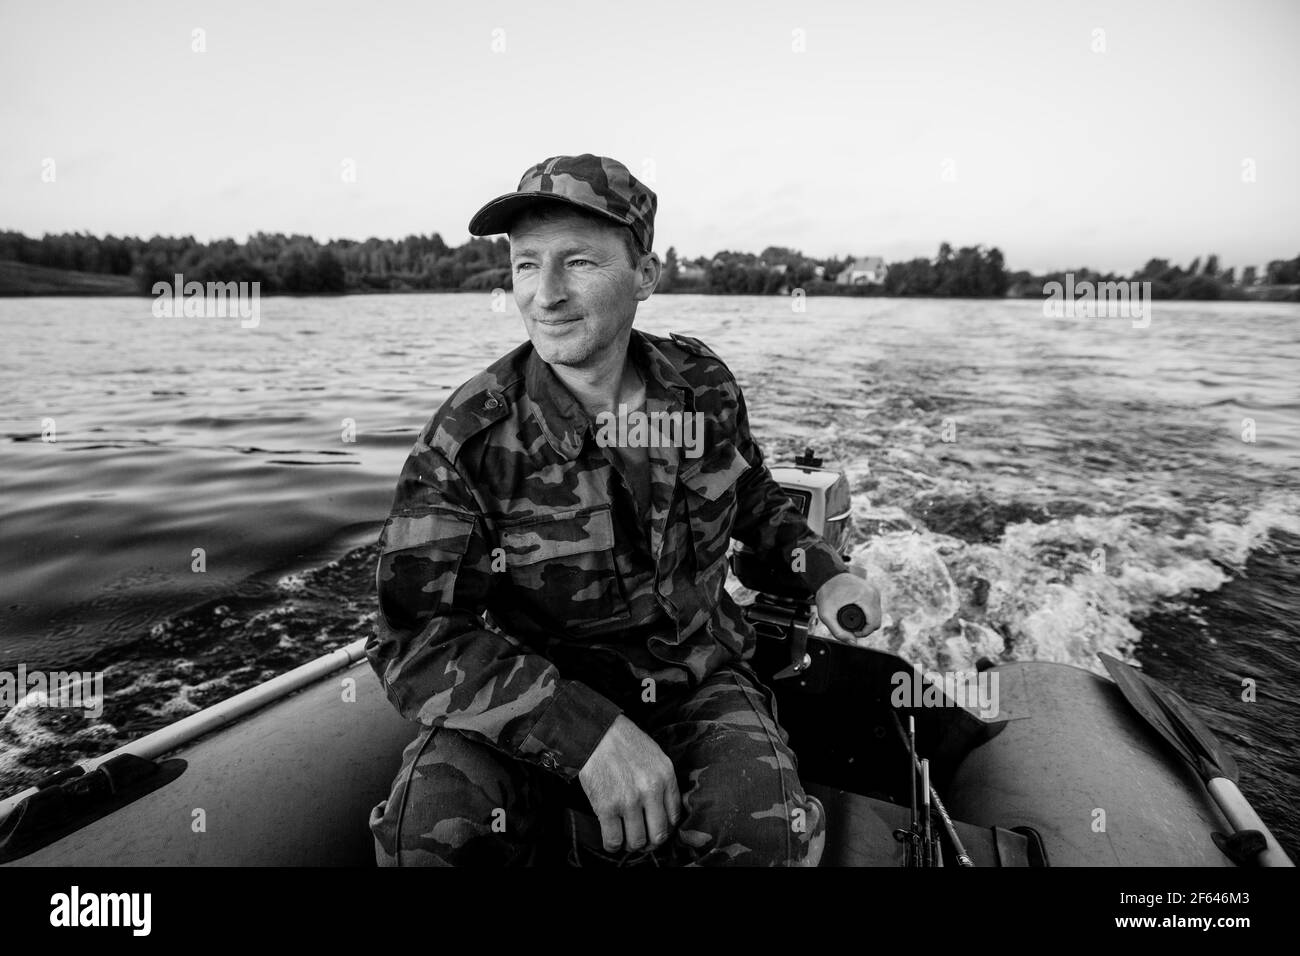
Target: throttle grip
{"points": [[852, 618]]}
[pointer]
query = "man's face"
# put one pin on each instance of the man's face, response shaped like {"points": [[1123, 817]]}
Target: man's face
{"points": [[574, 285]]}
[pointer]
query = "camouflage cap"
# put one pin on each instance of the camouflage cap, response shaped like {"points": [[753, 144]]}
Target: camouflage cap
{"points": [[597, 184]]}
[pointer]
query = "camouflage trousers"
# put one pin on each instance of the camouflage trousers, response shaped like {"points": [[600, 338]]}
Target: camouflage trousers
{"points": [[458, 802]]}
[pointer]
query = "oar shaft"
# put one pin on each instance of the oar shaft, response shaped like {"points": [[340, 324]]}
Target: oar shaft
{"points": [[1242, 816]]}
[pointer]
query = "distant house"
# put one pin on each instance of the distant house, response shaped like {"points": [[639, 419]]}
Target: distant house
{"points": [[819, 272], [687, 272], [867, 270]]}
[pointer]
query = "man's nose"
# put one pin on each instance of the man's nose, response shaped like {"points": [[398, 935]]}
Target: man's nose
{"points": [[551, 290]]}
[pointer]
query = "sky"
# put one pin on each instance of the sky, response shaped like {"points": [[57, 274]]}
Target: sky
{"points": [[1067, 134]]}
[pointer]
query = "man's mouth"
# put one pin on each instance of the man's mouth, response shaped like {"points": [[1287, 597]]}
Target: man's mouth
{"points": [[565, 321]]}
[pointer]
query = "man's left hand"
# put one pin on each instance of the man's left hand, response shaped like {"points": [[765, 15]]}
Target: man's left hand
{"points": [[844, 589]]}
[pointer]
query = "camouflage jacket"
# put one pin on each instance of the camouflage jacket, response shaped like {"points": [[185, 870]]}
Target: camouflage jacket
{"points": [[522, 600]]}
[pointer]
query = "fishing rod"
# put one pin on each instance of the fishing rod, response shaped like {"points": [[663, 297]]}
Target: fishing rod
{"points": [[950, 828], [912, 835], [922, 846], [963, 858], [927, 843], [852, 618]]}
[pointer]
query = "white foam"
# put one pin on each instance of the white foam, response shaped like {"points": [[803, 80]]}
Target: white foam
{"points": [[1058, 591]]}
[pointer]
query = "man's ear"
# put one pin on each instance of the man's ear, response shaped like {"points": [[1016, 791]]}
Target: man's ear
{"points": [[648, 274]]}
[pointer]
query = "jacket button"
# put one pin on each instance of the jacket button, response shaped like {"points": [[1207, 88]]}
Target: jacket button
{"points": [[548, 760], [491, 403]]}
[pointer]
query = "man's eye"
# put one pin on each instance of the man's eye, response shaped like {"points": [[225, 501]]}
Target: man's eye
{"points": [[520, 266], [574, 262]]}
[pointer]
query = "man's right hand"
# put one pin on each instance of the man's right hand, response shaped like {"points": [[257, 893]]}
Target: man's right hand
{"points": [[632, 787]]}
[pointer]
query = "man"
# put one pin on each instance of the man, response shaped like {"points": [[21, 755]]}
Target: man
{"points": [[552, 607]]}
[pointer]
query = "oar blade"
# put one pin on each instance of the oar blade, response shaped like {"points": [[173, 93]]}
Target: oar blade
{"points": [[1140, 697], [1172, 718], [1204, 743]]}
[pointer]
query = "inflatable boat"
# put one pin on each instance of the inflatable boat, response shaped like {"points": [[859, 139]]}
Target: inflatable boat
{"points": [[1071, 769]]}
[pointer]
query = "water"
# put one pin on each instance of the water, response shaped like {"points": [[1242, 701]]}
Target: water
{"points": [[1025, 488]]}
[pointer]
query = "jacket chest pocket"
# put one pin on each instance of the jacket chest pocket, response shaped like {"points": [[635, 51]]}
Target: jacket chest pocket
{"points": [[562, 566], [711, 496]]}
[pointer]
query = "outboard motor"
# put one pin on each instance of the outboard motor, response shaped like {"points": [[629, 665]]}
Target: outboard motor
{"points": [[779, 611], [822, 496]]}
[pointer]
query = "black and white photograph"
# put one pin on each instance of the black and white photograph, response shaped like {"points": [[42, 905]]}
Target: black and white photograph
{"points": [[590, 436]]}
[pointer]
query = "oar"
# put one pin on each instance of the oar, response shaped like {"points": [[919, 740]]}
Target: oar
{"points": [[1175, 721]]}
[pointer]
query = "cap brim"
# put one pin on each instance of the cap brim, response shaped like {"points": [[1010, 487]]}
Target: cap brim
{"points": [[496, 216]]}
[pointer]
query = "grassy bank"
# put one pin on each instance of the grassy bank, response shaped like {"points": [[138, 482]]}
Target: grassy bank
{"points": [[19, 278]]}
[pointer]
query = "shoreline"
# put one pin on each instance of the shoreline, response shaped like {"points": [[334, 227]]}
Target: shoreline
{"points": [[1268, 294]]}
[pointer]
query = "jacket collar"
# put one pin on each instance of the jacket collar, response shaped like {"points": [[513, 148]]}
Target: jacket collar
{"points": [[564, 421]]}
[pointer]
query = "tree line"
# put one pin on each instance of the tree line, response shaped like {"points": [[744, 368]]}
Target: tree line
{"points": [[1198, 280], [302, 265], [282, 264]]}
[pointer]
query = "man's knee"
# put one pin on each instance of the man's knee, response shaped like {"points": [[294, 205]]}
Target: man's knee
{"points": [[744, 799], [455, 802], [752, 815]]}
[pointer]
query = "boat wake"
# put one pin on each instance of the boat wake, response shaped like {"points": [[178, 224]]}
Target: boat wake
{"points": [[1059, 589]]}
